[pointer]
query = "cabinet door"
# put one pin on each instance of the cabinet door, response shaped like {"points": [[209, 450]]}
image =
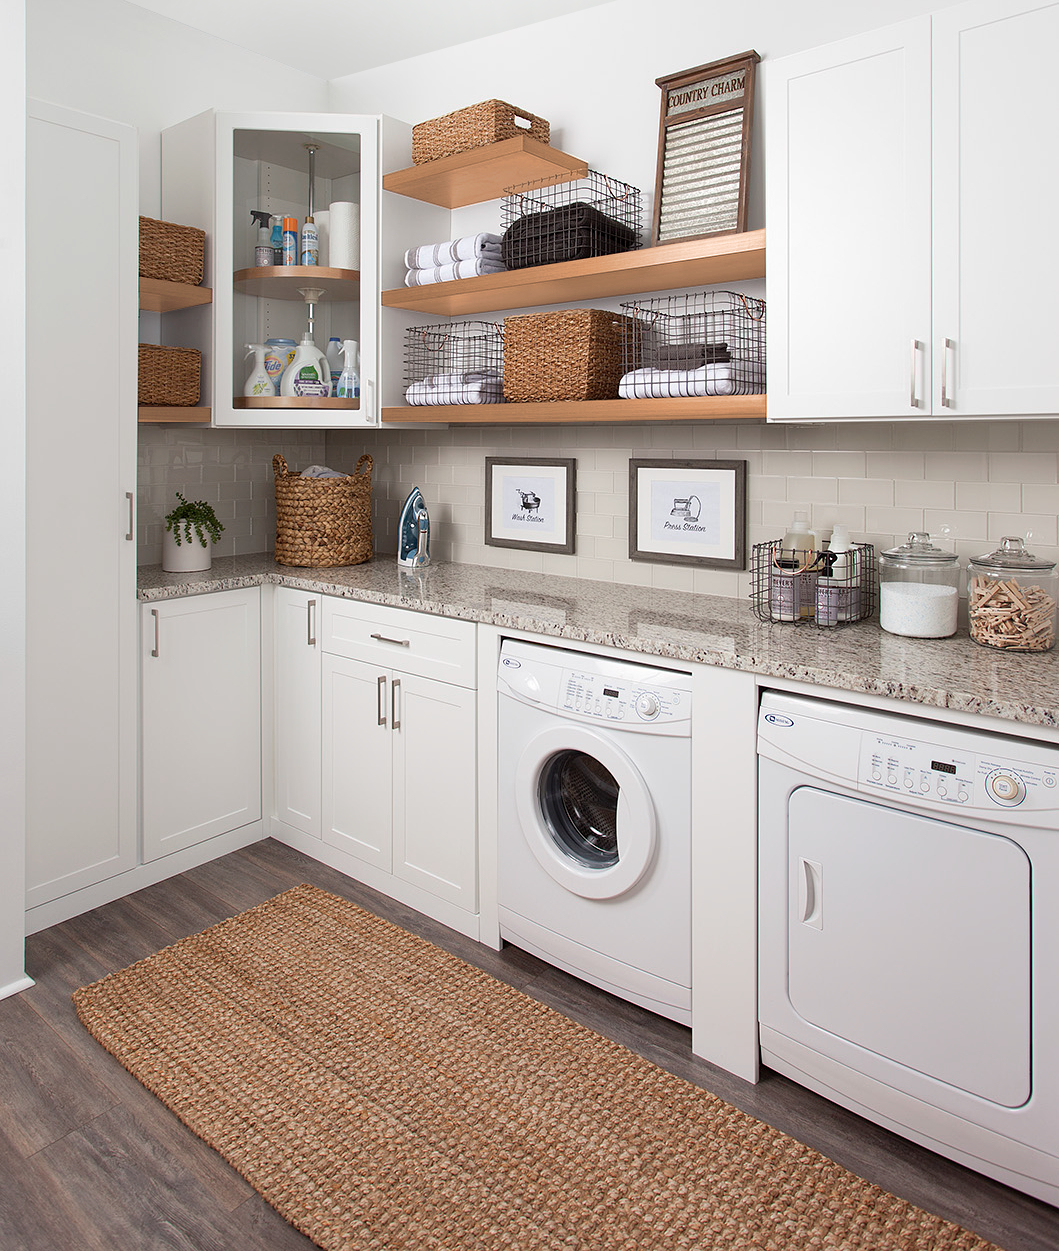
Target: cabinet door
{"points": [[848, 216], [201, 676], [80, 489], [297, 709], [357, 768], [995, 276], [435, 788]]}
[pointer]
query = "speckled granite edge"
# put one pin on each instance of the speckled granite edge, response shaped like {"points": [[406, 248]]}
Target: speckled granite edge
{"points": [[701, 629]]}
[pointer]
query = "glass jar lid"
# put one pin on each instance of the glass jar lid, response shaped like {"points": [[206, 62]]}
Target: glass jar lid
{"points": [[1011, 557], [920, 552]]}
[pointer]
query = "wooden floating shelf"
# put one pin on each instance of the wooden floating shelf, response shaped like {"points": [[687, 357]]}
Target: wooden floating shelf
{"points": [[159, 296], [281, 282], [670, 266], [292, 401], [708, 408], [483, 173], [158, 414]]}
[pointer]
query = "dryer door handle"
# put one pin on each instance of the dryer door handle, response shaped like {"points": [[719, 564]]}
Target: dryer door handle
{"points": [[811, 893]]}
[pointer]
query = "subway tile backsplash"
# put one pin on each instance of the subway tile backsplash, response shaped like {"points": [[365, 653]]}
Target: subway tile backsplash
{"points": [[980, 479]]}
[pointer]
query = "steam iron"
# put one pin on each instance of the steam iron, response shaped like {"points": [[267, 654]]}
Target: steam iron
{"points": [[413, 532]]}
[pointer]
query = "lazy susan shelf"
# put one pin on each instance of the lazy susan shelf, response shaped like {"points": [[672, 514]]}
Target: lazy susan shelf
{"points": [[281, 282]]}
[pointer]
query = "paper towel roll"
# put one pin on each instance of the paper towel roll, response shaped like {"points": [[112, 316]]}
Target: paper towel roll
{"points": [[323, 233], [344, 234]]}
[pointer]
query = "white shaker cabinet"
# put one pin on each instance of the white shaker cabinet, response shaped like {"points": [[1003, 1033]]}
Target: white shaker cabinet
{"points": [[80, 496], [399, 746], [297, 617], [201, 735], [906, 167]]}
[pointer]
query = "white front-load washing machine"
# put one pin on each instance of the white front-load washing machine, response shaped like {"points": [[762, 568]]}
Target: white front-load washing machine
{"points": [[594, 817]]}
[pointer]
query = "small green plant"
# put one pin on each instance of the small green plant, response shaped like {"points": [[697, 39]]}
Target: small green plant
{"points": [[193, 516]]}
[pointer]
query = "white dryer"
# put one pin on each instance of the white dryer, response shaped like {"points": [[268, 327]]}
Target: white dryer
{"points": [[594, 820], [909, 933]]}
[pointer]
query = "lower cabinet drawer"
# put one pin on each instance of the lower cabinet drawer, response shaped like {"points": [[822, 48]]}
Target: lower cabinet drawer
{"points": [[397, 638]]}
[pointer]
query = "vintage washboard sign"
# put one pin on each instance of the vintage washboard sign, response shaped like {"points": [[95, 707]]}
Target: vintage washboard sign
{"points": [[704, 149]]}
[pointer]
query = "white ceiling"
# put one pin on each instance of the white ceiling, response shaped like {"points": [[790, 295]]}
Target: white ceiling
{"points": [[330, 38]]}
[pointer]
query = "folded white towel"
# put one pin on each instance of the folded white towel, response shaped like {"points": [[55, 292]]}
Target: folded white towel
{"points": [[448, 273], [479, 387], [466, 248], [727, 378], [321, 471]]}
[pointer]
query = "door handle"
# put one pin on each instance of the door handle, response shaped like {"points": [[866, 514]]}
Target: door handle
{"points": [[396, 642], [394, 709], [912, 398], [310, 623], [947, 346], [381, 694], [131, 534], [811, 893], [154, 614]]}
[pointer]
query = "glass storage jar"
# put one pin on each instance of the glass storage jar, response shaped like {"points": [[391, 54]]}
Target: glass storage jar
{"points": [[1011, 598], [919, 589]]}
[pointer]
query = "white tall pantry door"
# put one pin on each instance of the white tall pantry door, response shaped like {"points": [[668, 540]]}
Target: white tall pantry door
{"points": [[996, 252], [81, 653]]}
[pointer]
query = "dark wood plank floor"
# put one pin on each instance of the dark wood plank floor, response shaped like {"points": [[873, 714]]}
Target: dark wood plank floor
{"points": [[90, 1160]]}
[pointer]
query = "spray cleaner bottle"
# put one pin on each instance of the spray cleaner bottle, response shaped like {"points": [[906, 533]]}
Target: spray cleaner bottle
{"points": [[263, 245], [258, 382], [349, 380]]}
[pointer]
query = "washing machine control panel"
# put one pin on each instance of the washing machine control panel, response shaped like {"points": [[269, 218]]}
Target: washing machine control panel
{"points": [[602, 697], [931, 773]]}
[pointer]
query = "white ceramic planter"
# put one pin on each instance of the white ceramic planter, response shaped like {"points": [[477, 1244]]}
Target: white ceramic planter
{"points": [[185, 557]]}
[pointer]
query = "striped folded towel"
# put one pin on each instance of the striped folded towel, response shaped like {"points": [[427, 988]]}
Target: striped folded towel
{"points": [[448, 273], [466, 248], [723, 378]]}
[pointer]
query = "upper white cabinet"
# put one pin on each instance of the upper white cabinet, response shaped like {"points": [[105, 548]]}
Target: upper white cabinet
{"points": [[902, 282], [216, 168], [80, 495]]}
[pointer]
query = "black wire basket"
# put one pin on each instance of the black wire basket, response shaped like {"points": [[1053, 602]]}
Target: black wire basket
{"points": [[455, 363], [545, 222], [813, 592], [701, 343]]}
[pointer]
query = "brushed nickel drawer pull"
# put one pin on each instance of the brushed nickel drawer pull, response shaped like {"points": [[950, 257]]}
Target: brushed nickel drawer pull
{"points": [[154, 614], [396, 642], [381, 706], [395, 710], [131, 534], [310, 623]]}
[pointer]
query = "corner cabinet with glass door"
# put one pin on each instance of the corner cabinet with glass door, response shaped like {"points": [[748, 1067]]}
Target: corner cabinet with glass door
{"points": [[217, 169]]}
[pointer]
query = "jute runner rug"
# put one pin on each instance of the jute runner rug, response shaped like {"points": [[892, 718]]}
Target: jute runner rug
{"points": [[383, 1095]]}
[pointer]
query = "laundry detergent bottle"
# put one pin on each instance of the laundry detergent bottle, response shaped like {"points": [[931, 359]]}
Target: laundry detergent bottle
{"points": [[308, 373]]}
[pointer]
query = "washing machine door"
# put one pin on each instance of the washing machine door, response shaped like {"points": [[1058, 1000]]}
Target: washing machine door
{"points": [[585, 811]]}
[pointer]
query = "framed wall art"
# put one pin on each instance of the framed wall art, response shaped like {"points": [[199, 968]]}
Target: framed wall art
{"points": [[704, 150], [688, 512], [529, 503]]}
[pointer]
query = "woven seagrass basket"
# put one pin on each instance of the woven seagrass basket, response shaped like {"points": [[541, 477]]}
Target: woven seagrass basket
{"points": [[323, 522], [168, 376], [571, 354], [492, 121], [171, 252]]}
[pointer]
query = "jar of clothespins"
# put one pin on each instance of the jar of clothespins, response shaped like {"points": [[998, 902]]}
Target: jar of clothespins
{"points": [[1011, 599]]}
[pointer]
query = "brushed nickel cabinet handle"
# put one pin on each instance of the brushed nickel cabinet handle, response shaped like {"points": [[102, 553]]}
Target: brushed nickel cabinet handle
{"points": [[395, 712], [396, 642], [947, 346], [310, 623], [912, 399], [382, 700], [131, 534], [154, 614]]}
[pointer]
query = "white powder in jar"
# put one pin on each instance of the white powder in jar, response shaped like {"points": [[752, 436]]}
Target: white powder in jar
{"points": [[922, 610]]}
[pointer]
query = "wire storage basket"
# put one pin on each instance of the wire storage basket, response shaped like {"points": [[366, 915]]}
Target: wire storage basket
{"points": [[816, 592], [458, 362], [545, 221], [702, 343]]}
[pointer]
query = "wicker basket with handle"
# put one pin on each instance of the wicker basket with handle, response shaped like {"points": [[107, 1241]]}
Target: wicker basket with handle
{"points": [[168, 376], [323, 522], [171, 252], [570, 354], [492, 121]]}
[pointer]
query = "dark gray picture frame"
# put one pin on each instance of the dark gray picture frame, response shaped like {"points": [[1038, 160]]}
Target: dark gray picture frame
{"points": [[730, 475], [522, 466]]}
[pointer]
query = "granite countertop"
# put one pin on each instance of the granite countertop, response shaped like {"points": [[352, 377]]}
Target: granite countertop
{"points": [[706, 629]]}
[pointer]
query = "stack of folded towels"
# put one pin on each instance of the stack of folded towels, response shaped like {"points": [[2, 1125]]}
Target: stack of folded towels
{"points": [[482, 386], [693, 370], [466, 257]]}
